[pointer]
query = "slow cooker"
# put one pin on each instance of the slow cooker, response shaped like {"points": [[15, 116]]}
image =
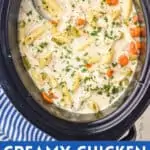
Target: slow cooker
{"points": [[61, 124]]}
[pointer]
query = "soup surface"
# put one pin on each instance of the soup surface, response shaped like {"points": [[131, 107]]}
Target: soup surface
{"points": [[84, 58]]}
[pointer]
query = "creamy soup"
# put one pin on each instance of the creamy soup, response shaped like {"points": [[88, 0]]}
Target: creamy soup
{"points": [[84, 58]]}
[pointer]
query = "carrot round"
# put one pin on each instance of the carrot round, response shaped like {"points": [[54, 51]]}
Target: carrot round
{"points": [[135, 19], [141, 45], [46, 97], [112, 2], [110, 73], [123, 60], [54, 22], [133, 50], [138, 32], [135, 32], [88, 66], [138, 18], [132, 45], [80, 22], [143, 31]]}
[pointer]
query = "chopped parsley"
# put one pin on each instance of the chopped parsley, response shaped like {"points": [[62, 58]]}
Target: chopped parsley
{"points": [[43, 44], [78, 59], [29, 13], [95, 32], [84, 70]]}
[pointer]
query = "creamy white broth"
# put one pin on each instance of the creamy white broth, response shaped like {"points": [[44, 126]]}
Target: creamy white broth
{"points": [[70, 63]]}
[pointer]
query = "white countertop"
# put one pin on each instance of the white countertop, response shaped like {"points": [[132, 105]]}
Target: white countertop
{"points": [[143, 126]]}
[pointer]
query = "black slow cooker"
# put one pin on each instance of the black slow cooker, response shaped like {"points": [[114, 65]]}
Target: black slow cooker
{"points": [[62, 125]]}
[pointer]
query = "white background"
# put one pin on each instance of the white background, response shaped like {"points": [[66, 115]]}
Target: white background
{"points": [[143, 126]]}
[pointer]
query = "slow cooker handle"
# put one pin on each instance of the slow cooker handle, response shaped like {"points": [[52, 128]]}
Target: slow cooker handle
{"points": [[131, 136]]}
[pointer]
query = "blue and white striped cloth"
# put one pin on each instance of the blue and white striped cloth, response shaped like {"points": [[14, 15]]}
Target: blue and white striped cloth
{"points": [[14, 127]]}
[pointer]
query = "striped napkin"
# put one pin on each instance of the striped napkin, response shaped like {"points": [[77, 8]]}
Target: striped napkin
{"points": [[14, 127]]}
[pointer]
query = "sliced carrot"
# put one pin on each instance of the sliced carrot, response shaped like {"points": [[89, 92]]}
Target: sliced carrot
{"points": [[138, 45], [46, 97], [135, 19], [138, 18], [123, 60], [112, 2], [143, 32], [80, 22], [132, 45], [141, 18], [138, 32], [110, 73], [133, 50], [88, 66], [141, 45], [135, 32], [54, 22]]}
